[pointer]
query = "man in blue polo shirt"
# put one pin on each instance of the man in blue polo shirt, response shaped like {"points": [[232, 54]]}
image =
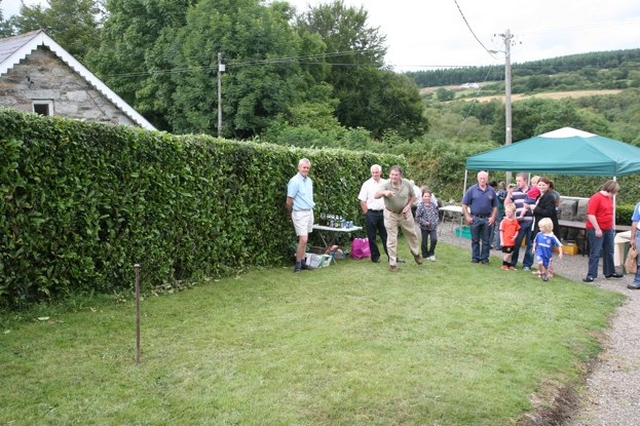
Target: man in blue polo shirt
{"points": [[480, 207], [300, 207]]}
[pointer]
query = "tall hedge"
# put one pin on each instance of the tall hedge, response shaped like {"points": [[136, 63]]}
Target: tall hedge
{"points": [[83, 202]]}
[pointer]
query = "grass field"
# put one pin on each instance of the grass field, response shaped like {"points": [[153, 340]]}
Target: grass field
{"points": [[470, 94], [550, 95], [443, 343]]}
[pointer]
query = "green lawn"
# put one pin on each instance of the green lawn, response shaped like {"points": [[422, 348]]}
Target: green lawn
{"points": [[445, 343]]}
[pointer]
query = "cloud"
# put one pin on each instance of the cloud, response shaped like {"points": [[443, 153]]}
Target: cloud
{"points": [[430, 34]]}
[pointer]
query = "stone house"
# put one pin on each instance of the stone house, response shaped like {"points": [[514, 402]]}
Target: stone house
{"points": [[38, 75]]}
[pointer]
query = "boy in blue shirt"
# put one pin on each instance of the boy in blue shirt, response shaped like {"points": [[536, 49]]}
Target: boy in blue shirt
{"points": [[543, 246]]}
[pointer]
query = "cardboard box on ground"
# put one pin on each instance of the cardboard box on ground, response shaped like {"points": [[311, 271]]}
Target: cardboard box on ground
{"points": [[318, 260], [568, 247]]}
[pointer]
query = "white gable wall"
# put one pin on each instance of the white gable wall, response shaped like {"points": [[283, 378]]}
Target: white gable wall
{"points": [[42, 76]]}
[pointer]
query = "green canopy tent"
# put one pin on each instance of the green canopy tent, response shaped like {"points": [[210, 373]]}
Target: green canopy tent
{"points": [[565, 151]]}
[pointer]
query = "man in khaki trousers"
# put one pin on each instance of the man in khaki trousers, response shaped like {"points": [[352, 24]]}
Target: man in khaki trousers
{"points": [[398, 197]]}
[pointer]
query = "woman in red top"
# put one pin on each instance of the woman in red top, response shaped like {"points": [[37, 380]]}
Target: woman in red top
{"points": [[600, 232]]}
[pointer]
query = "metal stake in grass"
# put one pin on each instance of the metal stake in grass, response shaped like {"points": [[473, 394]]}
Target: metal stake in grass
{"points": [[136, 267]]}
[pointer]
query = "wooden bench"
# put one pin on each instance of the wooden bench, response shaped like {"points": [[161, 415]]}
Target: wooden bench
{"points": [[581, 226]]}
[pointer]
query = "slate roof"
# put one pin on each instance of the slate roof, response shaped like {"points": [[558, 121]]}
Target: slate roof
{"points": [[14, 49]]}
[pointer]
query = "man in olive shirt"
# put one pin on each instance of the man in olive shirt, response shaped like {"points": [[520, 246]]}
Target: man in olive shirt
{"points": [[398, 197]]}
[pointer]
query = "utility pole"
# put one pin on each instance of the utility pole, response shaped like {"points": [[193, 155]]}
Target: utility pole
{"points": [[221, 69], [507, 38], [507, 86]]}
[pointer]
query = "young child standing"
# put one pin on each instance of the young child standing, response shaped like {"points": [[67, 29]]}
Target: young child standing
{"points": [[532, 195], [427, 219], [543, 247], [509, 228]]}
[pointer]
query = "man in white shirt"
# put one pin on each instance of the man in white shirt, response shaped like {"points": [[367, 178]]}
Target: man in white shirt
{"points": [[373, 210]]}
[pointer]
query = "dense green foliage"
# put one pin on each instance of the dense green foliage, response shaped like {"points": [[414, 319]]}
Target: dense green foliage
{"points": [[369, 97], [83, 202], [256, 87]]}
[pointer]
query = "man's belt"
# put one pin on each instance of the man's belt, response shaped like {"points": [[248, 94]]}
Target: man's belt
{"points": [[396, 212]]}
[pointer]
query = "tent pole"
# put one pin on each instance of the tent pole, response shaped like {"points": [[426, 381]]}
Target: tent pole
{"points": [[464, 189], [614, 207]]}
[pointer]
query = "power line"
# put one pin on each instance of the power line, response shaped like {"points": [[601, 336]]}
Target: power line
{"points": [[470, 29], [316, 59]]}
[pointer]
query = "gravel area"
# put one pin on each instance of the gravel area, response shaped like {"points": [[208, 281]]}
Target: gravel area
{"points": [[611, 395]]}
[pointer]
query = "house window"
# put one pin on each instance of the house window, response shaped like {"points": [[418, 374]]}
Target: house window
{"points": [[43, 107]]}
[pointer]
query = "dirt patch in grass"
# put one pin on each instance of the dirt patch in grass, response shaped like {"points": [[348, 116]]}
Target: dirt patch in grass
{"points": [[553, 405]]}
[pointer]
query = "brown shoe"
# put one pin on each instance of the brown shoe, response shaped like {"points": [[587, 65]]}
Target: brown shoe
{"points": [[418, 259], [393, 268]]}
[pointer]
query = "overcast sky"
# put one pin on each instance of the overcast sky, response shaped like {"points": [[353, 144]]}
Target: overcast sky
{"points": [[428, 34]]}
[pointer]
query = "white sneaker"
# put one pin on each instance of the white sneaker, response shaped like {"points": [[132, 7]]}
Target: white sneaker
{"points": [[431, 258]]}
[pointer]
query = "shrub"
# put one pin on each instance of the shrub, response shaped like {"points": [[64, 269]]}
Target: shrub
{"points": [[84, 202]]}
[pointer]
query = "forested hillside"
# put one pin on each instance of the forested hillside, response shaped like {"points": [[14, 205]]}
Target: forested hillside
{"points": [[605, 70], [613, 113]]}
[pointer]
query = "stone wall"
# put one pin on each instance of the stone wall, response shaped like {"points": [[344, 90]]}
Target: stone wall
{"points": [[43, 77]]}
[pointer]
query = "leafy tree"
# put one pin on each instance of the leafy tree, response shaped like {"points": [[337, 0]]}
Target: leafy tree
{"points": [[353, 51], [538, 82], [456, 128], [135, 56], [301, 136], [5, 26], [371, 98], [258, 83], [317, 115], [74, 24], [534, 116], [395, 104], [346, 35], [444, 95]]}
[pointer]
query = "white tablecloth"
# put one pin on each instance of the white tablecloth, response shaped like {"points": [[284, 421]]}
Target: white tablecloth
{"points": [[619, 243], [450, 213]]}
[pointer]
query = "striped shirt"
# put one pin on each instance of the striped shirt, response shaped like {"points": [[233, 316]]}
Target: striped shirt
{"points": [[517, 197]]}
